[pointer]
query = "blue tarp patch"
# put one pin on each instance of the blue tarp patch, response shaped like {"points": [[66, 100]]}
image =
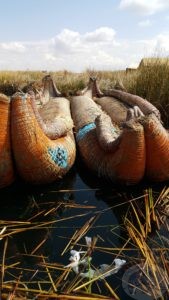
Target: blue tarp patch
{"points": [[84, 130], [59, 155]]}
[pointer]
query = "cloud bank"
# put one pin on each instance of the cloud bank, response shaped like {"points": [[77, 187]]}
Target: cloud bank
{"points": [[144, 7], [100, 49]]}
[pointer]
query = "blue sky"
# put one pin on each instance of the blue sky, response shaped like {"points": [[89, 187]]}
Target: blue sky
{"points": [[80, 34]]}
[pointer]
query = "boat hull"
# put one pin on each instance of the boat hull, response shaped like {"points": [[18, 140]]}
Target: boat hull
{"points": [[114, 108], [126, 163], [38, 159], [6, 163], [157, 149]]}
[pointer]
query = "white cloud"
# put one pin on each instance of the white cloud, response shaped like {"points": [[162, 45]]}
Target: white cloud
{"points": [[144, 23], [50, 57], [145, 7], [99, 49], [100, 35], [13, 46]]}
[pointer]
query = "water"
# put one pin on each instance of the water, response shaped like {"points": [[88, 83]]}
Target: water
{"points": [[21, 202]]}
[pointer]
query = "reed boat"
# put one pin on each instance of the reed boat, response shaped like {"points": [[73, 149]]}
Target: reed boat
{"points": [[115, 103], [6, 163], [157, 149], [111, 152], [42, 140]]}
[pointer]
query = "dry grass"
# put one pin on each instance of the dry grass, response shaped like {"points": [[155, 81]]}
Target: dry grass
{"points": [[150, 82]]}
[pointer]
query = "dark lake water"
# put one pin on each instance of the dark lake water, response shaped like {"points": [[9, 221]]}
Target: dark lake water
{"points": [[21, 203]]}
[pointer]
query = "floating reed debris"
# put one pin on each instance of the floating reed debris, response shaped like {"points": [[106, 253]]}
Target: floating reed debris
{"points": [[151, 271], [3, 262], [46, 279]]}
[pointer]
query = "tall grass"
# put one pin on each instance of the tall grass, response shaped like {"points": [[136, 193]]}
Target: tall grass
{"points": [[150, 82]]}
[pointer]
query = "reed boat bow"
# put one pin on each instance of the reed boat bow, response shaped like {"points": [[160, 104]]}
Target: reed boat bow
{"points": [[39, 159], [117, 102]]}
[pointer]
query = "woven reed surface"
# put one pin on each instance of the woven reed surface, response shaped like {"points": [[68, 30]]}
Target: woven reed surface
{"points": [[116, 109], [49, 89], [107, 133], [157, 149], [84, 111], [6, 164], [125, 165], [55, 115], [145, 106], [38, 159]]}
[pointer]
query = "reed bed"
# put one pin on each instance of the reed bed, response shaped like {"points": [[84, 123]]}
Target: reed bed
{"points": [[143, 224]]}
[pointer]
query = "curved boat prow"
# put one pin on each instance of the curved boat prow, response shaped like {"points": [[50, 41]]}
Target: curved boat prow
{"points": [[6, 163], [49, 89], [38, 159], [132, 100], [92, 89], [54, 116], [107, 134], [117, 102], [117, 110]]}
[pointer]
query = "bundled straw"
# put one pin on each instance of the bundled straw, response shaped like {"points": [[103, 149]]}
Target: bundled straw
{"points": [[116, 109], [38, 159], [84, 111], [125, 163], [157, 149], [116, 102], [54, 117], [49, 89], [6, 164], [108, 135], [132, 100]]}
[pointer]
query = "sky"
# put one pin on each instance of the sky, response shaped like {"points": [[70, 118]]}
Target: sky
{"points": [[76, 35]]}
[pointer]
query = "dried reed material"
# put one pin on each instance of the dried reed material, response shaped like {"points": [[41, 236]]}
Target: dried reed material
{"points": [[6, 164], [38, 159], [118, 103], [114, 295], [134, 113], [3, 262], [84, 111], [157, 149], [54, 117], [127, 163], [116, 109], [49, 89], [42, 294], [108, 134], [132, 100], [92, 89]]}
